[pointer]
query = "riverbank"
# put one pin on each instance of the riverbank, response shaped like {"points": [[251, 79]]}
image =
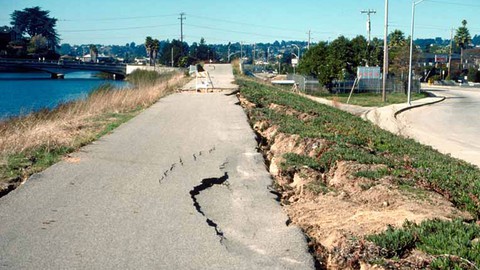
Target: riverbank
{"points": [[31, 143]]}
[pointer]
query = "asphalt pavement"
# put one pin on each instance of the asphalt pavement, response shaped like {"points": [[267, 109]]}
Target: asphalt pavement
{"points": [[181, 186], [451, 126]]}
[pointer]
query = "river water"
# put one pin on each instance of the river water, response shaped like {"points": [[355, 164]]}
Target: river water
{"points": [[22, 93]]}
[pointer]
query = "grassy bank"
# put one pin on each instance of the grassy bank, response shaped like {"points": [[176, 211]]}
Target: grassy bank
{"points": [[31, 143], [406, 164]]}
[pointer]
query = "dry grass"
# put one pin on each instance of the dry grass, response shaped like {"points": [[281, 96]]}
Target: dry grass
{"points": [[63, 125], [74, 124]]}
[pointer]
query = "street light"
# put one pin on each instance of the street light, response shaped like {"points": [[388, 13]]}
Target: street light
{"points": [[298, 51], [294, 65], [298, 57], [411, 53], [228, 51]]}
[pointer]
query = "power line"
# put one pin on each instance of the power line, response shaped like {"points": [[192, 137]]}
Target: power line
{"points": [[240, 32], [119, 18], [242, 23], [453, 3], [120, 28]]}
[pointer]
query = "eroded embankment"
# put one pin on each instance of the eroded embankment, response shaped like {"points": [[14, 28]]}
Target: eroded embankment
{"points": [[338, 204]]}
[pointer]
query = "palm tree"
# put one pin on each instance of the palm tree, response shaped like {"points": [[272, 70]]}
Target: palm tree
{"points": [[154, 48], [396, 39], [462, 39], [148, 47]]}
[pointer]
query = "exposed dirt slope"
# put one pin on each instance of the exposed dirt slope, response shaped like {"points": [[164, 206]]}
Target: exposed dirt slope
{"points": [[336, 208]]}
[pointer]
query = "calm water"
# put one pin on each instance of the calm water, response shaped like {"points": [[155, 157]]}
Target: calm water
{"points": [[21, 93]]}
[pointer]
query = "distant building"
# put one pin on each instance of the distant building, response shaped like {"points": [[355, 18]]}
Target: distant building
{"points": [[431, 59], [7, 35], [471, 58], [101, 58]]}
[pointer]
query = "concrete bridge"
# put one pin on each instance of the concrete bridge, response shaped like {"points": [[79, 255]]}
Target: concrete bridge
{"points": [[58, 69]]}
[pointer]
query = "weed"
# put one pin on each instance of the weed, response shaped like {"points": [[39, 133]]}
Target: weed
{"points": [[298, 161], [452, 242], [377, 174]]}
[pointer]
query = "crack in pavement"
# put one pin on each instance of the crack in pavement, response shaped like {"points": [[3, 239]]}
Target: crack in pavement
{"points": [[181, 162], [205, 184]]}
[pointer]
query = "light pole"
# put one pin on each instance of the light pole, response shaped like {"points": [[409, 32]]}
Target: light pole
{"points": [[298, 57], [385, 55], [294, 65], [241, 52], [409, 90], [298, 51], [228, 52]]}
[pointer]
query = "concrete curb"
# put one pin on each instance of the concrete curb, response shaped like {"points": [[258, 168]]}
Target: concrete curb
{"points": [[442, 98]]}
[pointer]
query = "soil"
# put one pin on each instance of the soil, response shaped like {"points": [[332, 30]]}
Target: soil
{"points": [[336, 209]]}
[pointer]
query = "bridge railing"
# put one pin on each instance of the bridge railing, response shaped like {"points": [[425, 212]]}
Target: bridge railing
{"points": [[36, 61]]}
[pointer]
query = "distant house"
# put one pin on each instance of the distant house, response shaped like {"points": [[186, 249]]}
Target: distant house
{"points": [[431, 59], [101, 58], [472, 58], [7, 35]]}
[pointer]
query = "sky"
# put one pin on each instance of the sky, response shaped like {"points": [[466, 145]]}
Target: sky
{"points": [[117, 22]]}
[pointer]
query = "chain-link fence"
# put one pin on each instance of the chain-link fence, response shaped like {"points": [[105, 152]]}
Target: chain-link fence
{"points": [[311, 85]]}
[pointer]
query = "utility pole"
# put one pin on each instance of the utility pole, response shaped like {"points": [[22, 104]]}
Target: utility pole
{"points": [[253, 53], [171, 55], [369, 29], [385, 55], [369, 24], [450, 55], [182, 17], [309, 38]]}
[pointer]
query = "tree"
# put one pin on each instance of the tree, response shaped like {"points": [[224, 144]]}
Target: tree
{"points": [[155, 46], [359, 47], [93, 53], [34, 21], [148, 47], [340, 58], [38, 45], [312, 62], [203, 50], [396, 39], [462, 39]]}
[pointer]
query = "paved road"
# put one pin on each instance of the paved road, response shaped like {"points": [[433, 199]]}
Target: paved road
{"points": [[180, 186], [452, 126], [221, 76]]}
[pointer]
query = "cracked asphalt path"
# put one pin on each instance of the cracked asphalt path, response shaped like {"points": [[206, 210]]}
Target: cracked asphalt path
{"points": [[128, 200]]}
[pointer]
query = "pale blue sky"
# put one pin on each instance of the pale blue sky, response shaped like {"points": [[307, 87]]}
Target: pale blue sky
{"points": [[122, 21]]}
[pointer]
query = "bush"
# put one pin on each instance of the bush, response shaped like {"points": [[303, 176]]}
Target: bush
{"points": [[473, 75]]}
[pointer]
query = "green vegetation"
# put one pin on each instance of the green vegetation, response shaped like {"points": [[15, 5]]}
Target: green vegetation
{"points": [[455, 243], [370, 99], [351, 138], [294, 160], [414, 168]]}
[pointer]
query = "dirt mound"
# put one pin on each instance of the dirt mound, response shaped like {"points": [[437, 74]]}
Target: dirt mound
{"points": [[336, 206]]}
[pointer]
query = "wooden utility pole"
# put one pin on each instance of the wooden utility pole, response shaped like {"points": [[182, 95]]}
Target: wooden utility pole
{"points": [[182, 17], [369, 24]]}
